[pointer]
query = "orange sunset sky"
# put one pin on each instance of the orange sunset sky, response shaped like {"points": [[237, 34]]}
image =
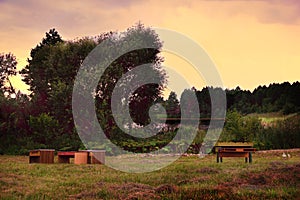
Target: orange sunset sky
{"points": [[251, 42]]}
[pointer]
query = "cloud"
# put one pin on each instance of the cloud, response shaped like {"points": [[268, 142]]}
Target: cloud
{"points": [[265, 11], [278, 11], [270, 11]]}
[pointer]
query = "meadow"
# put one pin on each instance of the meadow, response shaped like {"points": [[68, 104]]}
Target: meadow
{"points": [[272, 117], [270, 176]]}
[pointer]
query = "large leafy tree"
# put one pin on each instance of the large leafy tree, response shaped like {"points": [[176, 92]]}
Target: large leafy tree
{"points": [[53, 65], [63, 63], [140, 101], [50, 74], [36, 74], [14, 110]]}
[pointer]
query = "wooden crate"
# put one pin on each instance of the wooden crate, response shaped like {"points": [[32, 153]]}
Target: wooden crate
{"points": [[81, 157], [41, 156], [97, 156]]}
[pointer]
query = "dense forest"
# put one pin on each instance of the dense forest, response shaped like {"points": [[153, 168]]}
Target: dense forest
{"points": [[277, 97], [44, 118]]}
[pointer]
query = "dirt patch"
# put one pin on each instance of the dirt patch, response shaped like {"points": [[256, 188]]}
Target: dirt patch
{"points": [[11, 182], [257, 180], [84, 195], [275, 175], [131, 191], [166, 189], [217, 192], [133, 187], [201, 179], [207, 170], [282, 173], [142, 195], [128, 191]]}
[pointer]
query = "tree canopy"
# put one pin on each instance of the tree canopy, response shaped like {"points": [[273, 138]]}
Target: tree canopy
{"points": [[8, 68]]}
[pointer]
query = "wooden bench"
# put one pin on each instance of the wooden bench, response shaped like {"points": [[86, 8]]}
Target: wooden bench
{"points": [[81, 157], [41, 156], [64, 156], [235, 152], [234, 149]]}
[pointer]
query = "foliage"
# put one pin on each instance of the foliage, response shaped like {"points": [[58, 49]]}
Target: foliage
{"points": [[239, 128], [284, 97], [35, 74], [172, 106], [50, 73], [45, 130], [284, 134], [8, 67], [13, 123], [44, 119], [140, 101]]}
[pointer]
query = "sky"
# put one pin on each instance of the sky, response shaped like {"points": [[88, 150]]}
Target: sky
{"points": [[251, 42]]}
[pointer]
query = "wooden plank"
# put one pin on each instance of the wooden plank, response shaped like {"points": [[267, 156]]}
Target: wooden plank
{"points": [[47, 156], [66, 153], [81, 158], [237, 149], [234, 154], [234, 144], [34, 153]]}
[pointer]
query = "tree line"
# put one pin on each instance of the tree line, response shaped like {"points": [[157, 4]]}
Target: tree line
{"points": [[44, 118]]}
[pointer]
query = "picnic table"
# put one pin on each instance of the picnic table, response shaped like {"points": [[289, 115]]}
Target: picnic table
{"points": [[233, 149]]}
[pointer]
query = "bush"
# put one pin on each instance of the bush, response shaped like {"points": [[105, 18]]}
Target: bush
{"points": [[240, 128], [283, 135]]}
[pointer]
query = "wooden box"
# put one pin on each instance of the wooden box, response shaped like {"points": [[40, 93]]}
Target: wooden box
{"points": [[41, 156]]}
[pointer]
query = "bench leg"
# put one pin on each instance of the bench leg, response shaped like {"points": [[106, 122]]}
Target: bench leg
{"points": [[219, 159], [250, 157], [246, 159]]}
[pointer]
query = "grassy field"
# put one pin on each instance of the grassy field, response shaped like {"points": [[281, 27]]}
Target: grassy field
{"points": [[271, 117], [268, 177]]}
